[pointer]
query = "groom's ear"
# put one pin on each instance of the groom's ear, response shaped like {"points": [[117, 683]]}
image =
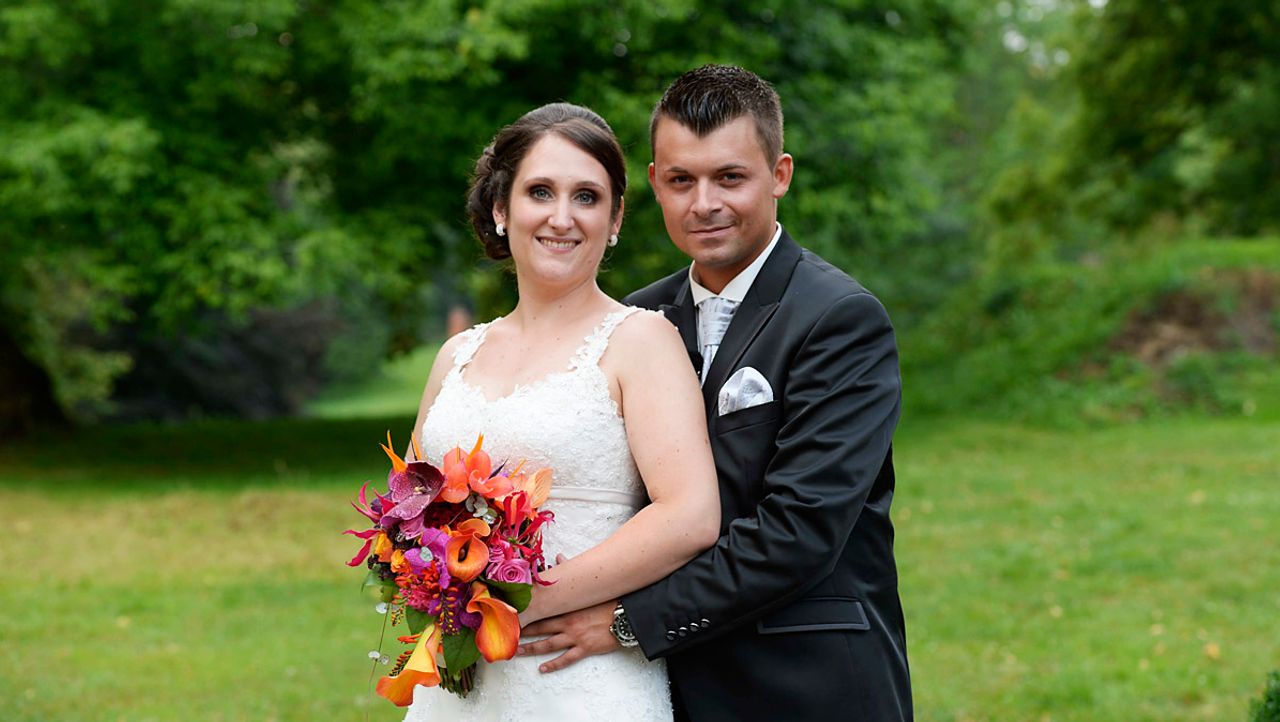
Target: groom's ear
{"points": [[782, 171], [653, 177]]}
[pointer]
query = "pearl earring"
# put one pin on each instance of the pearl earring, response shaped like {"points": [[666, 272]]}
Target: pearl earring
{"points": [[500, 229], [613, 240]]}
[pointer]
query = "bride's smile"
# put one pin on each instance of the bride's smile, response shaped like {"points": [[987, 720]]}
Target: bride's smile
{"points": [[559, 244]]}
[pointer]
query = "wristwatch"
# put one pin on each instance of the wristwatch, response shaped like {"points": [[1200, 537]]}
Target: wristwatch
{"points": [[621, 628]]}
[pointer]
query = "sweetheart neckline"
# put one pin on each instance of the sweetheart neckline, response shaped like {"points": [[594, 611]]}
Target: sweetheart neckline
{"points": [[521, 389]]}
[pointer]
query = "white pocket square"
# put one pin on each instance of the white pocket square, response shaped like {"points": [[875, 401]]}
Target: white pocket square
{"points": [[744, 389]]}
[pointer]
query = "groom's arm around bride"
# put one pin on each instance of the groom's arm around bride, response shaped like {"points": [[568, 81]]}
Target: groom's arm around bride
{"points": [[794, 613]]}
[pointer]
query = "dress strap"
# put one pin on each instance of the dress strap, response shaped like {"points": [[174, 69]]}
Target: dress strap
{"points": [[472, 338], [589, 353]]}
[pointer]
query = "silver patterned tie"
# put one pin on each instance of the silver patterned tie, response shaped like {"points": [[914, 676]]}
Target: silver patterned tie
{"points": [[714, 315]]}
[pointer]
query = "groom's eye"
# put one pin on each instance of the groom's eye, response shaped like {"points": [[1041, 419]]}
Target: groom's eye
{"points": [[586, 198]]}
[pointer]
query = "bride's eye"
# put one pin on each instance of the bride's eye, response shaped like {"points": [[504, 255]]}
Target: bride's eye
{"points": [[541, 193], [586, 198]]}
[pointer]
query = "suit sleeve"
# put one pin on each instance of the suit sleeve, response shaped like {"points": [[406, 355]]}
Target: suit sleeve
{"points": [[840, 407]]}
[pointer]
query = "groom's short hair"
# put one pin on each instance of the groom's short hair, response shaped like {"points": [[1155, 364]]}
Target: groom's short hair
{"points": [[712, 96]]}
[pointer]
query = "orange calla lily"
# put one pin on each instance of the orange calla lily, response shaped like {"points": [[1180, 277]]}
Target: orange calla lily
{"points": [[476, 526], [466, 553], [499, 631], [421, 669]]}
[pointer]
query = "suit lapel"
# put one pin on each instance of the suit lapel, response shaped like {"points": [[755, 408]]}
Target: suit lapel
{"points": [[755, 311], [681, 313]]}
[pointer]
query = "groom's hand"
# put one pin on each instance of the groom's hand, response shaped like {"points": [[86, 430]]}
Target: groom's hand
{"points": [[583, 633]]}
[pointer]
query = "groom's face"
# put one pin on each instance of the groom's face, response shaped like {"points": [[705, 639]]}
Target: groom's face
{"points": [[718, 195]]}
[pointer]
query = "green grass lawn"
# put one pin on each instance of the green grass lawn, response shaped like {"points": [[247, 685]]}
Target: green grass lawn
{"points": [[196, 572], [1131, 573], [395, 391]]}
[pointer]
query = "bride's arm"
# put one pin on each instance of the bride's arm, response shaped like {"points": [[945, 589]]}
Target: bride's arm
{"points": [[440, 367], [667, 431]]}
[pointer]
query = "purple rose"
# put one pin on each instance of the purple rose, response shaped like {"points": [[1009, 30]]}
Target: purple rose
{"points": [[511, 571]]}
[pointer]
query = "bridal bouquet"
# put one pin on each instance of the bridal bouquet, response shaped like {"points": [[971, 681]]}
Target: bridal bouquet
{"points": [[454, 553]]}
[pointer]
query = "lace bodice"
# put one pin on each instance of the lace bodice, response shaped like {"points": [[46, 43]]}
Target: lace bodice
{"points": [[566, 421]]}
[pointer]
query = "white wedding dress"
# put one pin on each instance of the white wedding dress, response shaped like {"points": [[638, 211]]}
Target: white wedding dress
{"points": [[568, 422]]}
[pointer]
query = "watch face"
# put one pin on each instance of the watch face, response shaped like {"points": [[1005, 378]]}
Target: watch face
{"points": [[622, 632]]}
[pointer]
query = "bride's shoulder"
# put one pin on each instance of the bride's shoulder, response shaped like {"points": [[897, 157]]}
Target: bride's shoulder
{"points": [[643, 322], [451, 345], [457, 347], [645, 329]]}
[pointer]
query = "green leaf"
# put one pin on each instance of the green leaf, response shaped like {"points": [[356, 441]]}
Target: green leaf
{"points": [[460, 650], [417, 620], [517, 595], [385, 588]]}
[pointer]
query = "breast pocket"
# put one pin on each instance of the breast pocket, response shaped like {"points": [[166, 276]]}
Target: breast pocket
{"points": [[752, 416]]}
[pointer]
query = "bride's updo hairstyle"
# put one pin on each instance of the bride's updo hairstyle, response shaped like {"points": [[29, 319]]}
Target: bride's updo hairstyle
{"points": [[497, 165]]}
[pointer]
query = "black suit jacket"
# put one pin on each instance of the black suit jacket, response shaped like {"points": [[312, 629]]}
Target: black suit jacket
{"points": [[794, 613]]}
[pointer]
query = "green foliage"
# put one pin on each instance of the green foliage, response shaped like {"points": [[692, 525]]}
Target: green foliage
{"points": [[1267, 707], [517, 595], [1169, 91], [1066, 342], [150, 178], [1164, 119], [384, 589], [460, 650], [416, 620]]}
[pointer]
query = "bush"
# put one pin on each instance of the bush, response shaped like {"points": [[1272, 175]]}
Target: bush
{"points": [[1267, 709], [262, 365], [1133, 334]]}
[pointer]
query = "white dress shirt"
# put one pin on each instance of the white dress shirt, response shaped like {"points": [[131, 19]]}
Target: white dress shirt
{"points": [[733, 292]]}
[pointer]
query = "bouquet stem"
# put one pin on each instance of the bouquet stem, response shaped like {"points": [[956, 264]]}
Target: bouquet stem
{"points": [[463, 683]]}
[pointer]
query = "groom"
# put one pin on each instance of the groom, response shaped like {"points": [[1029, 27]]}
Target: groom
{"points": [[794, 613]]}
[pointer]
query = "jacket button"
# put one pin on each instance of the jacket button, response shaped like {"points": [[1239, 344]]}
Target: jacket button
{"points": [[705, 623], [693, 626], [683, 631], [671, 636]]}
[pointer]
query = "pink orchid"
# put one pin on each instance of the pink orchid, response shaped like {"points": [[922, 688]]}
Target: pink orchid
{"points": [[413, 485]]}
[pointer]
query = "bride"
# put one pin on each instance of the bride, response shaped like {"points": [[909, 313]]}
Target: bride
{"points": [[601, 393]]}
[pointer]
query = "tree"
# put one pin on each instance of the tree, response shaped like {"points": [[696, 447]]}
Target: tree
{"points": [[1168, 110], [177, 164]]}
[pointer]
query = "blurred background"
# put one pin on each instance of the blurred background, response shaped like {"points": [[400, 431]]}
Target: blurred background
{"points": [[232, 236]]}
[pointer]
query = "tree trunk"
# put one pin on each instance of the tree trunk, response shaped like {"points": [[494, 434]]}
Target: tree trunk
{"points": [[26, 392]]}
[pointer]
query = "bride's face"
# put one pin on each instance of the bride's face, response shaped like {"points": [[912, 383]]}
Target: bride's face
{"points": [[558, 218]]}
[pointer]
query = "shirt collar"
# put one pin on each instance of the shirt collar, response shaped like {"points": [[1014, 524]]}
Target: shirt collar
{"points": [[736, 290]]}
